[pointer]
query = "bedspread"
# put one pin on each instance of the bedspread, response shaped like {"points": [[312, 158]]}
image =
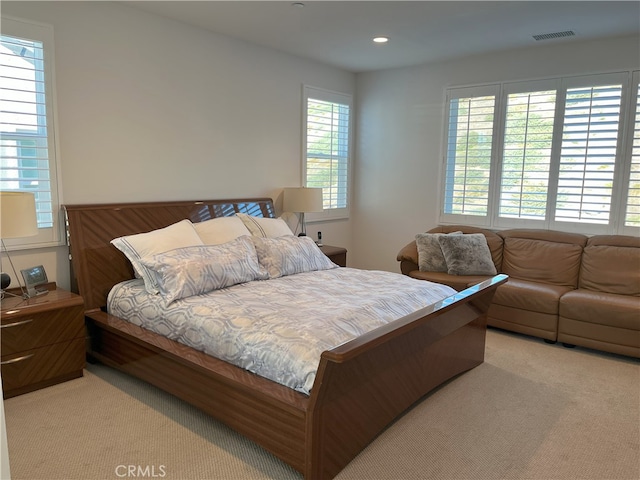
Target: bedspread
{"points": [[278, 328]]}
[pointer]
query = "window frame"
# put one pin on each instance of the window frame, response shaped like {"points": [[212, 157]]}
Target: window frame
{"points": [[492, 220], [34, 31], [633, 115], [335, 97]]}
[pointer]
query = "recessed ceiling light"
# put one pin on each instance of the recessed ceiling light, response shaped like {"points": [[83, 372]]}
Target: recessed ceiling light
{"points": [[380, 39]]}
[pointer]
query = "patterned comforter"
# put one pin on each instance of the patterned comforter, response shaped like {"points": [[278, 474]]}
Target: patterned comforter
{"points": [[278, 328]]}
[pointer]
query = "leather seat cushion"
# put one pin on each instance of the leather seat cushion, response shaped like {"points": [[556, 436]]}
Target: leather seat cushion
{"points": [[622, 311], [542, 261], [459, 282], [611, 264], [533, 296]]}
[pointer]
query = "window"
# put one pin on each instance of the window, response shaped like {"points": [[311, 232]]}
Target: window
{"points": [[469, 153], [632, 211], [27, 148], [545, 154], [327, 148], [526, 158]]}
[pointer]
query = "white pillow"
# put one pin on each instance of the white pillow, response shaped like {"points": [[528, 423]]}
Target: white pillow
{"points": [[265, 227], [189, 271], [220, 230], [135, 247], [288, 255]]}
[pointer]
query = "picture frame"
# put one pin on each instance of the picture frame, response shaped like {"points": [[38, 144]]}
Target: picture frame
{"points": [[34, 279]]}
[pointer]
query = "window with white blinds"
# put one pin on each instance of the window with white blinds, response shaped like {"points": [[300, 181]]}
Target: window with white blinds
{"points": [[588, 154], [526, 158], [27, 149], [469, 152], [327, 147], [556, 160], [632, 214]]}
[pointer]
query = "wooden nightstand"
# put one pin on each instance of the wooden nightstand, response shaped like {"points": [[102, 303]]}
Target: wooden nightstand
{"points": [[337, 255], [42, 341]]}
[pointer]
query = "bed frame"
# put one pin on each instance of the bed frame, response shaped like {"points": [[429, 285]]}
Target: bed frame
{"points": [[360, 388]]}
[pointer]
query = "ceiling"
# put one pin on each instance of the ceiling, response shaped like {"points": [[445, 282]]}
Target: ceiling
{"points": [[340, 33]]}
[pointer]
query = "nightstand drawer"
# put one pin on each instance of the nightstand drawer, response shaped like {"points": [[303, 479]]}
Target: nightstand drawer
{"points": [[28, 331], [40, 367]]}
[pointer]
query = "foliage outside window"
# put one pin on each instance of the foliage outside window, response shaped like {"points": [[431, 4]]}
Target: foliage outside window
{"points": [[327, 148], [559, 153]]}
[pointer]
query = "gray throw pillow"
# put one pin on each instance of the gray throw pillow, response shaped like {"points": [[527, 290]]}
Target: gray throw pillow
{"points": [[430, 257], [467, 254]]}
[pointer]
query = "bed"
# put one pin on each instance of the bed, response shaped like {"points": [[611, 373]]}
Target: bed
{"points": [[360, 386]]}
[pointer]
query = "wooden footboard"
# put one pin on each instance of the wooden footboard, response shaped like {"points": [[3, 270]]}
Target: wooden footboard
{"points": [[361, 386]]}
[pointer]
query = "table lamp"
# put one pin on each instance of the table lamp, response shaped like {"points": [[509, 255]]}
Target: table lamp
{"points": [[17, 220], [302, 200]]}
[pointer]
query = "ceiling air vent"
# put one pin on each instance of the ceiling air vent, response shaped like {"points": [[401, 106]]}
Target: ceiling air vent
{"points": [[549, 36]]}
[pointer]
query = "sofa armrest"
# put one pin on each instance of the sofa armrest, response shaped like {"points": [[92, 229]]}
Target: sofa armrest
{"points": [[408, 258]]}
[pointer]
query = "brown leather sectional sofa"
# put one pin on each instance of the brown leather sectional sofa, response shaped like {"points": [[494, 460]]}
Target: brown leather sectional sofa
{"points": [[563, 287]]}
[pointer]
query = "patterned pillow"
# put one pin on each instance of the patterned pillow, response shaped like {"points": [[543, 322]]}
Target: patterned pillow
{"points": [[467, 254], [135, 247], [189, 271], [265, 227], [288, 255]]}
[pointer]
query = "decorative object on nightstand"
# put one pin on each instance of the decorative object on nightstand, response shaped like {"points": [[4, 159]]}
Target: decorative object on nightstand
{"points": [[17, 220], [35, 281], [302, 200], [337, 255], [42, 341]]}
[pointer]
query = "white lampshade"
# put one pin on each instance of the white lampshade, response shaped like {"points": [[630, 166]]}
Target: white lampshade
{"points": [[302, 199], [18, 215]]}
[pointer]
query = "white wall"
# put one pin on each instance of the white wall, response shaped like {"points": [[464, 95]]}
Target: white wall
{"points": [[400, 134], [152, 109]]}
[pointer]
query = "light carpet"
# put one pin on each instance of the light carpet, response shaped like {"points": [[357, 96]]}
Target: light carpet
{"points": [[531, 411]]}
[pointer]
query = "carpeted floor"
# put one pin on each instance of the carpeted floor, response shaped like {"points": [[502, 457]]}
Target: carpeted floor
{"points": [[531, 411]]}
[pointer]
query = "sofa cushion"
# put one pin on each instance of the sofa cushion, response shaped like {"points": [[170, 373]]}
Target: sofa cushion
{"points": [[458, 282], [622, 311], [611, 264], [542, 261], [532, 296]]}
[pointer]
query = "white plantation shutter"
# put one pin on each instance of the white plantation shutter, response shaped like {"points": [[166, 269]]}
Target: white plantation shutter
{"points": [[471, 117], [558, 153], [327, 147], [588, 154], [27, 151], [632, 214], [526, 159]]}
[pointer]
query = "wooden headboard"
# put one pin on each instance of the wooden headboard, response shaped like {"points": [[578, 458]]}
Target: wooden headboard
{"points": [[96, 265]]}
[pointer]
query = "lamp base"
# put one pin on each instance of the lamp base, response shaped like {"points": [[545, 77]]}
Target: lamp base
{"points": [[5, 280]]}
